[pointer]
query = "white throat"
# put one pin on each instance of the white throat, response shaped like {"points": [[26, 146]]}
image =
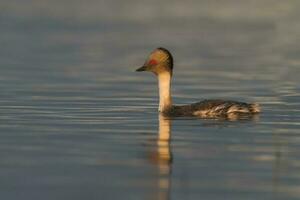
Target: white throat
{"points": [[164, 85]]}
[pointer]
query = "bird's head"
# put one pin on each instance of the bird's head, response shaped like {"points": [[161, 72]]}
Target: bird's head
{"points": [[159, 61]]}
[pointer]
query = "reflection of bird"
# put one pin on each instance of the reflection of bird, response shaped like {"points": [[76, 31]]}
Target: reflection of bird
{"points": [[160, 62], [162, 157]]}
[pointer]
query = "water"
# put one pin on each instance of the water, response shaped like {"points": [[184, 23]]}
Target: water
{"points": [[76, 121]]}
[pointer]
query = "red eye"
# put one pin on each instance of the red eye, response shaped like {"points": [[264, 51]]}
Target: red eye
{"points": [[152, 62]]}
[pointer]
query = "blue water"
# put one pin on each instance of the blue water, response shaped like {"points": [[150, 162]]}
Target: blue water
{"points": [[76, 121]]}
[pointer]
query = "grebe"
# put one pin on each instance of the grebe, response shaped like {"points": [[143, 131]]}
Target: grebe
{"points": [[160, 62]]}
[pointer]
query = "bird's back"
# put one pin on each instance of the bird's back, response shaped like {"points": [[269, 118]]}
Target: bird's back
{"points": [[213, 108]]}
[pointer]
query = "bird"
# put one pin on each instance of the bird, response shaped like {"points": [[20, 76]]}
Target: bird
{"points": [[161, 63]]}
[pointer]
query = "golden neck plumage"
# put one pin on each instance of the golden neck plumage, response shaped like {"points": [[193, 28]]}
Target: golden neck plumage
{"points": [[164, 85]]}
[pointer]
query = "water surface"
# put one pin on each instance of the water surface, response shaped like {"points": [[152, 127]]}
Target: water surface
{"points": [[77, 122]]}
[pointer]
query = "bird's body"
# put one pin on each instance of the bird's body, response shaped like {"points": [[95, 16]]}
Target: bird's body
{"points": [[212, 108], [160, 62]]}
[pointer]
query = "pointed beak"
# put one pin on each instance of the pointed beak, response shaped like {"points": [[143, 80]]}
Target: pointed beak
{"points": [[143, 68]]}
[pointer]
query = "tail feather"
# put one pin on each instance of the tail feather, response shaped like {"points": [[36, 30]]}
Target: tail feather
{"points": [[244, 108], [255, 108]]}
